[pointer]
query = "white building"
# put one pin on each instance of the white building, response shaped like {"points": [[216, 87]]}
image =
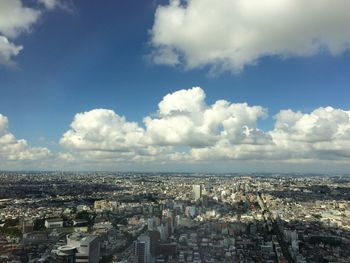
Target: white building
{"points": [[54, 223], [197, 192]]}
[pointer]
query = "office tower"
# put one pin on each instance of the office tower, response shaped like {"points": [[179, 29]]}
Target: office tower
{"points": [[88, 247], [142, 249], [154, 239], [197, 192]]}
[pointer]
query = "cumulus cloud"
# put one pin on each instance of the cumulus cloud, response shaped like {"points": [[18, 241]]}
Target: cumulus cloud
{"points": [[322, 134], [185, 129], [230, 34], [12, 149], [185, 119], [103, 130], [224, 150], [104, 136]]}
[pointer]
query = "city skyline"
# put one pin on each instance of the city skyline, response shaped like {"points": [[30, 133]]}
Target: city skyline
{"points": [[153, 86], [155, 218]]}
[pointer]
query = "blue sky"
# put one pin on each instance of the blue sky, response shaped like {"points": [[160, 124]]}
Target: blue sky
{"points": [[83, 55]]}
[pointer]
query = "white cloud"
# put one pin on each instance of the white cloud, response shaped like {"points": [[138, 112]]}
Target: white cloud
{"points": [[186, 129], [12, 149], [322, 134], [65, 5], [16, 19], [102, 130], [49, 4], [224, 150], [182, 102], [3, 123], [185, 119], [230, 34], [185, 132], [8, 50], [102, 136], [165, 55]]}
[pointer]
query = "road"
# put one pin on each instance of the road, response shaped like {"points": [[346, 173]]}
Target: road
{"points": [[275, 231]]}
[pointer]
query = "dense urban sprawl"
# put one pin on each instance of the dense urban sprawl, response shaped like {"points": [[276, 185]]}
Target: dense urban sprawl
{"points": [[159, 217]]}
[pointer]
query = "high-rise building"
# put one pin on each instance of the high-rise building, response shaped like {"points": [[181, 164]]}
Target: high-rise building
{"points": [[142, 249], [154, 239], [197, 192], [88, 247]]}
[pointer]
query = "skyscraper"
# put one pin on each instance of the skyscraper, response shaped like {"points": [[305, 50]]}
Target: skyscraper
{"points": [[142, 249], [197, 192]]}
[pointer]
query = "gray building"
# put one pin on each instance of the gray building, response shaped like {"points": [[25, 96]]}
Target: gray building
{"points": [[142, 250], [88, 247]]}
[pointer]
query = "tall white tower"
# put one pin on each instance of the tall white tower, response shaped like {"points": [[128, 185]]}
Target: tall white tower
{"points": [[197, 192]]}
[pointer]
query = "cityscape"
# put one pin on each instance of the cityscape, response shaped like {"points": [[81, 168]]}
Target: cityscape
{"points": [[173, 217], [174, 131]]}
